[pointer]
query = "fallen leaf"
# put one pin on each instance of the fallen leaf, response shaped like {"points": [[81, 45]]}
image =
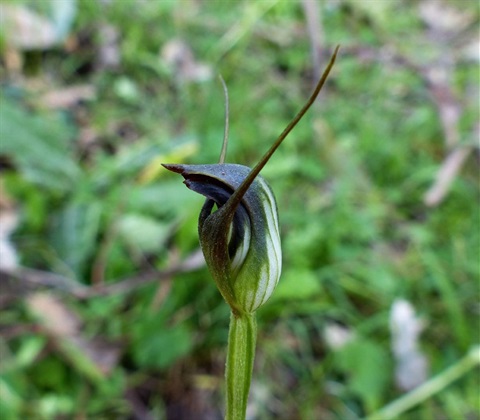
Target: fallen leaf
{"points": [[67, 97], [25, 29], [8, 223], [405, 328], [178, 56], [444, 17], [95, 357], [55, 317]]}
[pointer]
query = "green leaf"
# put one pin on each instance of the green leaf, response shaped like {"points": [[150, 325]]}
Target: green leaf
{"points": [[175, 201], [55, 405], [50, 373], [74, 234], [368, 368], [29, 351], [38, 145], [12, 400], [163, 348], [297, 284], [143, 233]]}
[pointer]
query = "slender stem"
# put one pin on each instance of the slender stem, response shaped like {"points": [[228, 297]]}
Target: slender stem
{"points": [[429, 388], [229, 208], [241, 354], [236, 197], [223, 152]]}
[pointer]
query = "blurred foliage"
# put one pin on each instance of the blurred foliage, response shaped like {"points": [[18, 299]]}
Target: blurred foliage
{"points": [[82, 169]]}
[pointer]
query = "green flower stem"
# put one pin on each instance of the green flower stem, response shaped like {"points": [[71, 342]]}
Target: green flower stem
{"points": [[242, 338], [429, 388]]}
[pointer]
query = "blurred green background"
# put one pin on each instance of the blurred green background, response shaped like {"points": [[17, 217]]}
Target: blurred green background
{"points": [[107, 311]]}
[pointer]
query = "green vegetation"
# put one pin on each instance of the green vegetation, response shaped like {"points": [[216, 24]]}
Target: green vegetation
{"points": [[377, 189]]}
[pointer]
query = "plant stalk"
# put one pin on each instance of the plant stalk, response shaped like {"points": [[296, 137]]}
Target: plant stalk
{"points": [[242, 338], [429, 388]]}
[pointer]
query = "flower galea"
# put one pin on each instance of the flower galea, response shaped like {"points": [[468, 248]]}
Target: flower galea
{"points": [[241, 245]]}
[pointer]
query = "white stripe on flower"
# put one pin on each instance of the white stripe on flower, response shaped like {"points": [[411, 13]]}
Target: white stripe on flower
{"points": [[270, 271], [242, 250]]}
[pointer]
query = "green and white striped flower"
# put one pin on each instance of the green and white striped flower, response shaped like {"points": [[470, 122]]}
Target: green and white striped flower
{"points": [[240, 240], [239, 235]]}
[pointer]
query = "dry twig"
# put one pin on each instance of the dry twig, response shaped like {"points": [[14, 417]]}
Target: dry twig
{"points": [[22, 281]]}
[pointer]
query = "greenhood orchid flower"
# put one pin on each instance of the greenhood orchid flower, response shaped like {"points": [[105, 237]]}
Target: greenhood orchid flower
{"points": [[241, 247], [240, 239]]}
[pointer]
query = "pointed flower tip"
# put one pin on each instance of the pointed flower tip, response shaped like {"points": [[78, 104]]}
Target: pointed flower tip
{"points": [[174, 167]]}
